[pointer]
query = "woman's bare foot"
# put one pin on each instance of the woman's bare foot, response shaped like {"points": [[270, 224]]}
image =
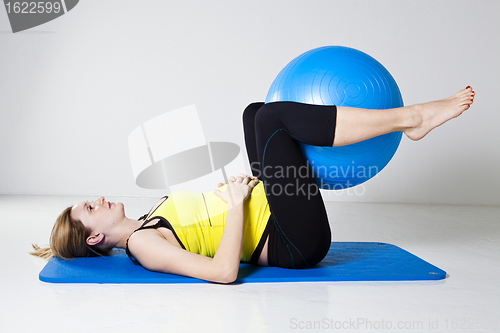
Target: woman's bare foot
{"points": [[430, 115]]}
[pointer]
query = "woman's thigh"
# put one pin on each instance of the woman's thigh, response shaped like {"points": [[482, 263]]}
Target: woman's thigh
{"points": [[299, 234]]}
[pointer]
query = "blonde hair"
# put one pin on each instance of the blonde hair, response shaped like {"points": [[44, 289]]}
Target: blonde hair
{"points": [[68, 240]]}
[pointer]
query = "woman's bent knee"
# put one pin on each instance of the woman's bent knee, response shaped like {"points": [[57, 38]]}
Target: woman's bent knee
{"points": [[251, 110]]}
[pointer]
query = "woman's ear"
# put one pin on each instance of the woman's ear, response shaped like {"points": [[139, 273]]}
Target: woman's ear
{"points": [[95, 239]]}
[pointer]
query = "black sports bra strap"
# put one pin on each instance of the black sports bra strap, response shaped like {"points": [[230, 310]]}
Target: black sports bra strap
{"points": [[152, 210], [159, 224]]}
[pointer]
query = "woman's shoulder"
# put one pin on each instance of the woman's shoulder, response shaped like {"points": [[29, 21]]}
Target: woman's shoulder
{"points": [[153, 250], [149, 231], [143, 232], [138, 241]]}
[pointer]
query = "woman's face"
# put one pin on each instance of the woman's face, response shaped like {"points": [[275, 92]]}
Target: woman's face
{"points": [[98, 215]]}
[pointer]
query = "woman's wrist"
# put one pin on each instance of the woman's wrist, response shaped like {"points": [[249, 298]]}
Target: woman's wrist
{"points": [[235, 202]]}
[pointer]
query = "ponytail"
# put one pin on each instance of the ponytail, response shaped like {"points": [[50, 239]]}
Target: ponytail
{"points": [[45, 253], [68, 240]]}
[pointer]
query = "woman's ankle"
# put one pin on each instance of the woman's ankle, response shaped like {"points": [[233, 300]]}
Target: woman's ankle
{"points": [[413, 117]]}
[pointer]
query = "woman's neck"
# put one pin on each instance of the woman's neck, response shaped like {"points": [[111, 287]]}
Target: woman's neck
{"points": [[127, 227]]}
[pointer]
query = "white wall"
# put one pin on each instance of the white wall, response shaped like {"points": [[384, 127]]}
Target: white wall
{"points": [[73, 89]]}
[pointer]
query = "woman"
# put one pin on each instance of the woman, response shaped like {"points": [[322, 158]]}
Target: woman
{"points": [[207, 235]]}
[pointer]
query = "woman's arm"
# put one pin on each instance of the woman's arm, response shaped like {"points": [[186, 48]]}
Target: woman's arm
{"points": [[157, 254]]}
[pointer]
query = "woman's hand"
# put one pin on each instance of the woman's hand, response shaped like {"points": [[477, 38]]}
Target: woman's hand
{"points": [[240, 175], [238, 189]]}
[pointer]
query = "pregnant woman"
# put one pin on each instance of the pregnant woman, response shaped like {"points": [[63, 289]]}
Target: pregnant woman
{"points": [[274, 218]]}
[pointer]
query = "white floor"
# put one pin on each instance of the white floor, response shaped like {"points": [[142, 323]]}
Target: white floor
{"points": [[464, 241]]}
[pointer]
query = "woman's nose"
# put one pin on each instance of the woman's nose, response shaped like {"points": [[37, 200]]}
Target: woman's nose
{"points": [[100, 200]]}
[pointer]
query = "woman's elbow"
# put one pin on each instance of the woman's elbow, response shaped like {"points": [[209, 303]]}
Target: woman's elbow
{"points": [[227, 280], [228, 275]]}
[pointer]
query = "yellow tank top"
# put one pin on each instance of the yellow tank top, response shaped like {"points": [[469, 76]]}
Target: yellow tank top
{"points": [[198, 220]]}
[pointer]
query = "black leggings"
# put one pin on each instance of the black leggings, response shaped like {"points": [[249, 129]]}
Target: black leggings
{"points": [[298, 229]]}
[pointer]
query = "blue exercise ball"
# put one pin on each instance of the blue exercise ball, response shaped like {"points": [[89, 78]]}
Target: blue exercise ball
{"points": [[342, 76]]}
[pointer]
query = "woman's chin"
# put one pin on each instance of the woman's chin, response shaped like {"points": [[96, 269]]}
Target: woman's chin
{"points": [[120, 206]]}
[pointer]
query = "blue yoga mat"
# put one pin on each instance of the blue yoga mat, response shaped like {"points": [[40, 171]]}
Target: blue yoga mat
{"points": [[346, 261]]}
